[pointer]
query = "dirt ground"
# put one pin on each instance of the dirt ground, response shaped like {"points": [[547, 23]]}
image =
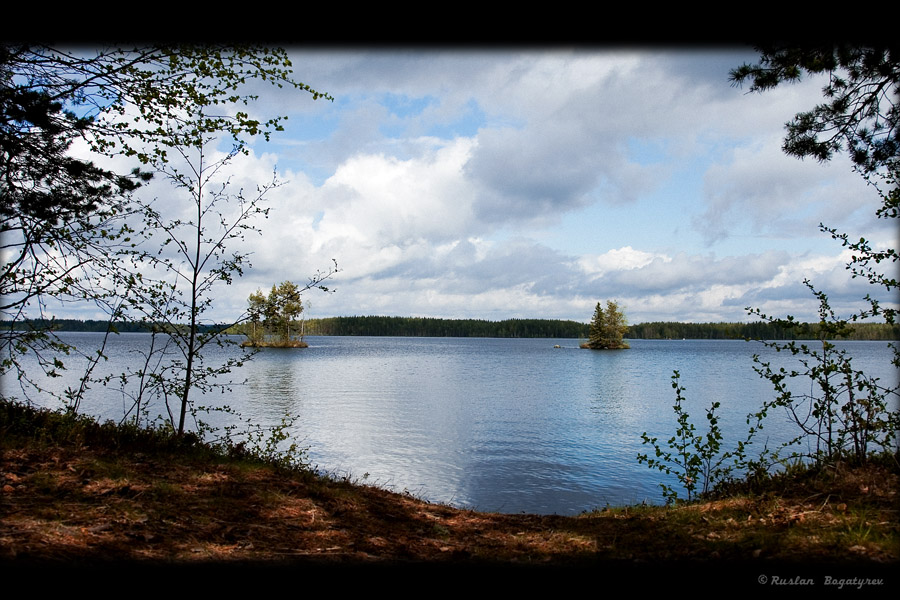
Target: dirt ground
{"points": [[92, 505]]}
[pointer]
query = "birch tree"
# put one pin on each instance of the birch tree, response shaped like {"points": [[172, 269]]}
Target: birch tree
{"points": [[168, 109]]}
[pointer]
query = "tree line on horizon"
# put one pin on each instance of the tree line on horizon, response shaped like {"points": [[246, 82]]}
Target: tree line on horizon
{"points": [[509, 328], [762, 330], [437, 327], [551, 328]]}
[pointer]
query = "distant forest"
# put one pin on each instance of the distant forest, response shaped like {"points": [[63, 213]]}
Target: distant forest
{"points": [[92, 325], [429, 327], [547, 328], [509, 328], [758, 330]]}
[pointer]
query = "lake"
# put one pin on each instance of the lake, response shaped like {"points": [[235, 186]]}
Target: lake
{"points": [[509, 425]]}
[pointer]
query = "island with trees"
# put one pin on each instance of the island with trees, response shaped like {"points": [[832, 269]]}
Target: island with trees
{"points": [[273, 319], [607, 328]]}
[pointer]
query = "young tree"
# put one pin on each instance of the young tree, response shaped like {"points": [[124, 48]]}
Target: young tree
{"points": [[286, 308], [180, 288], [607, 328], [255, 314], [846, 413], [201, 255], [614, 326], [595, 334], [166, 107], [861, 116]]}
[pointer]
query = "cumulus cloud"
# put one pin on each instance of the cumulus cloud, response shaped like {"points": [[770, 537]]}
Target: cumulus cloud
{"points": [[535, 183], [758, 189]]}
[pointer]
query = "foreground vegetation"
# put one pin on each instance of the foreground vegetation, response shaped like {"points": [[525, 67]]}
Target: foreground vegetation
{"points": [[75, 490]]}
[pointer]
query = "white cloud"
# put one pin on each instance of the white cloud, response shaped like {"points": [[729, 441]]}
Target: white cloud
{"points": [[625, 258], [438, 179], [761, 190]]}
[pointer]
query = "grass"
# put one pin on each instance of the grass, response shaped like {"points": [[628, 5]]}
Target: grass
{"points": [[76, 490]]}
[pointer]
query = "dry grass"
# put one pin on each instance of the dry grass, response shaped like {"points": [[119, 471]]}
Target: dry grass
{"points": [[73, 499]]}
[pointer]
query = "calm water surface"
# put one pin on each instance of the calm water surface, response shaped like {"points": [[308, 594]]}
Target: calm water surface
{"points": [[504, 425]]}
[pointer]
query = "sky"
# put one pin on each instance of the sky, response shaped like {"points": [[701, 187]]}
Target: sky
{"points": [[535, 182]]}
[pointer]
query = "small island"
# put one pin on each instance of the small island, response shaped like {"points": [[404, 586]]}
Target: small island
{"points": [[272, 320], [607, 329], [293, 343]]}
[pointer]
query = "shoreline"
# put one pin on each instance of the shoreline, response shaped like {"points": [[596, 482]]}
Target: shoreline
{"points": [[74, 490]]}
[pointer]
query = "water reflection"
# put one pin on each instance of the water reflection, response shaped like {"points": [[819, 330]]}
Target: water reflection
{"points": [[508, 425]]}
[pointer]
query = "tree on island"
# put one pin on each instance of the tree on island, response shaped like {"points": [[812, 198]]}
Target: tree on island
{"points": [[607, 328], [273, 318], [255, 313]]}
